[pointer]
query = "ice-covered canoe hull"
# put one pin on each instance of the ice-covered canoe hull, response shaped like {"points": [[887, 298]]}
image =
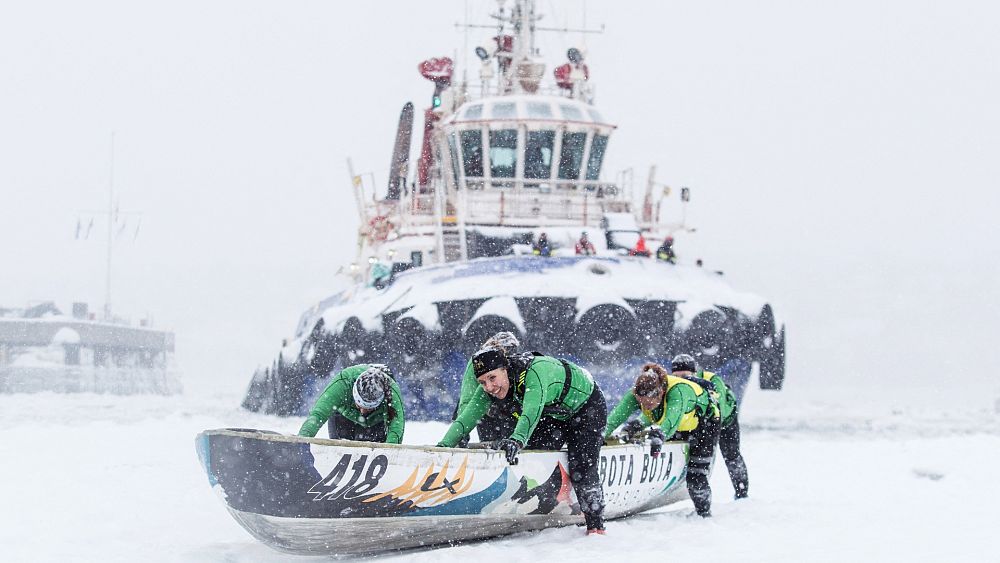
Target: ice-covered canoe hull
{"points": [[332, 497]]}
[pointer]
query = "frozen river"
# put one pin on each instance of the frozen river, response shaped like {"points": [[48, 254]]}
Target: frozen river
{"points": [[90, 477]]}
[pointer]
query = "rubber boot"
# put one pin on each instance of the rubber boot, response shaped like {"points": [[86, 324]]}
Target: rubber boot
{"points": [[698, 489], [738, 475], [595, 523]]}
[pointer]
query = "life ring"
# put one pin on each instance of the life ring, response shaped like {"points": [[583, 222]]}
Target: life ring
{"points": [[379, 228]]}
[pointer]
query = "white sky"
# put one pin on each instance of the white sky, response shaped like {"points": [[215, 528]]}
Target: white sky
{"points": [[843, 158]]}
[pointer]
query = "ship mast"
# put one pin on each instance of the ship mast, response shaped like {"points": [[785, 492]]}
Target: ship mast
{"points": [[111, 199]]}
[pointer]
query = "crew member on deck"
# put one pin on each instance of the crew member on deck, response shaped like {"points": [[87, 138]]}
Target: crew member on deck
{"points": [[559, 403], [678, 409], [666, 251], [541, 246], [640, 248], [584, 246], [362, 403]]}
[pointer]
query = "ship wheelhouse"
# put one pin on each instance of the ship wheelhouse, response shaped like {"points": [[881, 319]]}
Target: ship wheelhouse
{"points": [[526, 161]]}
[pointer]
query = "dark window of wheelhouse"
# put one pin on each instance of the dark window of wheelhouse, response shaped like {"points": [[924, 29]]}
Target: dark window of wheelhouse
{"points": [[472, 153], [453, 153], [503, 153], [538, 154], [571, 156], [597, 148]]}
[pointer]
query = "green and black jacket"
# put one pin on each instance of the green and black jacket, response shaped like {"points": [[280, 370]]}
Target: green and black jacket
{"points": [[469, 386], [339, 396], [540, 386], [722, 394]]}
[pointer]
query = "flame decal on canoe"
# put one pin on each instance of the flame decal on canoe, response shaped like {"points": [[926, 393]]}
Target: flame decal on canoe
{"points": [[432, 487]]}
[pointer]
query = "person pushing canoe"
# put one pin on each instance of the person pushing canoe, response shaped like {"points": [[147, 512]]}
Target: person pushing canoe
{"points": [[559, 403]]}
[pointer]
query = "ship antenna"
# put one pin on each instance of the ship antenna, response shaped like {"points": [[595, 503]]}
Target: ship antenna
{"points": [[111, 198], [465, 46], [113, 213]]}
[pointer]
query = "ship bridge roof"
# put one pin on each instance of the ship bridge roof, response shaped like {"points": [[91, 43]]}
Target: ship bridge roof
{"points": [[528, 108]]}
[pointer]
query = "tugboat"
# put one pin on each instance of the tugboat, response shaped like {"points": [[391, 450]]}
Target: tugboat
{"points": [[509, 224]]}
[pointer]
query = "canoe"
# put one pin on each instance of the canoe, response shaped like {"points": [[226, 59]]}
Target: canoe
{"points": [[313, 496]]}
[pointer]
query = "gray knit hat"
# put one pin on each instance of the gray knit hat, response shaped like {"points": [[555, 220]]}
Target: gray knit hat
{"points": [[372, 386]]}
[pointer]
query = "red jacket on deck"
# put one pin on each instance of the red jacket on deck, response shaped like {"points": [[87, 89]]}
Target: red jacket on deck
{"points": [[585, 247], [640, 248]]}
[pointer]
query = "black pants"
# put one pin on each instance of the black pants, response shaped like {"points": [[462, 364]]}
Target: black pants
{"points": [[583, 434], [701, 449], [341, 428], [729, 445]]}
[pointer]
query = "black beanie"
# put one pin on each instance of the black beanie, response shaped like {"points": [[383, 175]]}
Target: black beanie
{"points": [[485, 361], [683, 362]]}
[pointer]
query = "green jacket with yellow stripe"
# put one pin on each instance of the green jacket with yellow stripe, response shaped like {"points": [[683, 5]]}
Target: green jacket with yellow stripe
{"points": [[537, 384], [723, 395], [683, 403], [339, 396]]}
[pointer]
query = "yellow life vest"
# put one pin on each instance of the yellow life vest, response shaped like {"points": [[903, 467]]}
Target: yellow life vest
{"points": [[689, 420]]}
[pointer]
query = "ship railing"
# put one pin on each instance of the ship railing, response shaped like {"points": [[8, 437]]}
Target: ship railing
{"points": [[539, 206], [519, 201], [479, 91]]}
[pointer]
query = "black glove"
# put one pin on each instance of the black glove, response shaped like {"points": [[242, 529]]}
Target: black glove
{"points": [[656, 439], [510, 448], [632, 430]]}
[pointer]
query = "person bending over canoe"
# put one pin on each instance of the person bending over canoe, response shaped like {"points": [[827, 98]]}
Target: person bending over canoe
{"points": [[683, 365], [677, 409], [497, 423], [560, 403], [362, 403]]}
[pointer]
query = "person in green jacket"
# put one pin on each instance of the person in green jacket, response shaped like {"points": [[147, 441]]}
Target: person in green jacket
{"points": [[683, 365], [362, 403], [677, 409], [496, 423], [558, 403]]}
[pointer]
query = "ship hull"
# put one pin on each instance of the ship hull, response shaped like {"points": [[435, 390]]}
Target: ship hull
{"points": [[608, 314]]}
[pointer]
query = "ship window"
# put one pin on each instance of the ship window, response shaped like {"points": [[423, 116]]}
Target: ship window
{"points": [[595, 115], [571, 156], [472, 153], [536, 109], [474, 111], [597, 148], [505, 110], [503, 153], [453, 153], [538, 154], [572, 113]]}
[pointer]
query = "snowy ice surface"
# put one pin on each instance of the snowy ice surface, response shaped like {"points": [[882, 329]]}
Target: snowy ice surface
{"points": [[102, 478]]}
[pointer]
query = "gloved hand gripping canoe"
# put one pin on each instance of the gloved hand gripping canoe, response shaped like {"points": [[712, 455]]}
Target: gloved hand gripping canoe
{"points": [[510, 448]]}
